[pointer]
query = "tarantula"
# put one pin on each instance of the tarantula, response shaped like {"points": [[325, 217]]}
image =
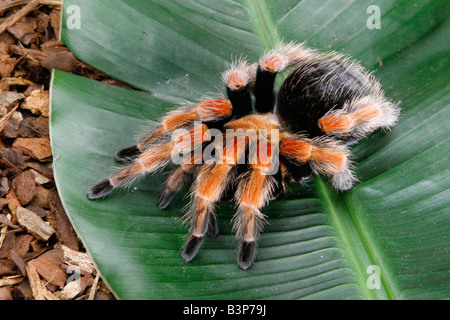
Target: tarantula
{"points": [[325, 104]]}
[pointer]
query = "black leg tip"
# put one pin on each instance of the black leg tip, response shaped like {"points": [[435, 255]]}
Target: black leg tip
{"points": [[213, 227], [164, 198], [191, 248], [127, 154], [101, 189], [246, 254]]}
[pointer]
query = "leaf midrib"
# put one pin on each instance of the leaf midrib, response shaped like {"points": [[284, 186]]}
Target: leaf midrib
{"points": [[266, 30]]}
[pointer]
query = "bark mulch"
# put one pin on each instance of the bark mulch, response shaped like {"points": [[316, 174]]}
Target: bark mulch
{"points": [[41, 256]]}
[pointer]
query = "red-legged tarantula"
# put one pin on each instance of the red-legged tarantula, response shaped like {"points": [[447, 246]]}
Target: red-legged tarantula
{"points": [[324, 105]]}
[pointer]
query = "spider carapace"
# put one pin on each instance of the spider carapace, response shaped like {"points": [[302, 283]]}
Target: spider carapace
{"points": [[264, 139]]}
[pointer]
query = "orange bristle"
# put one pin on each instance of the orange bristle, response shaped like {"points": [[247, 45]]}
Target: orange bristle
{"points": [[299, 150], [335, 161], [272, 63], [263, 156], [209, 110], [176, 120], [237, 80], [366, 113], [234, 149], [336, 124]]}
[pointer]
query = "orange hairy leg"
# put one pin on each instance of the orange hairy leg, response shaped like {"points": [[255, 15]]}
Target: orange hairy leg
{"points": [[255, 189], [150, 161], [179, 177], [208, 110], [325, 157], [343, 123], [211, 182]]}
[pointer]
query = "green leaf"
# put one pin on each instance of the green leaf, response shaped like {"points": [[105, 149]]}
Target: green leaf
{"points": [[318, 244]]}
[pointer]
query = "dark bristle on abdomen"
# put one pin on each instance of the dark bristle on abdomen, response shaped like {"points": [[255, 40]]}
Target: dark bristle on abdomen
{"points": [[312, 89], [101, 189]]}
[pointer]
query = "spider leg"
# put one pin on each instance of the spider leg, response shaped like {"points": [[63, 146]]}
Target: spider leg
{"points": [[359, 117], [255, 189], [325, 156], [239, 79], [150, 161], [211, 182], [179, 177], [205, 111], [270, 64]]}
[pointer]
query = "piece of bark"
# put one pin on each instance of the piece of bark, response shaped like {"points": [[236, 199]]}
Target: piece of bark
{"points": [[35, 225], [10, 281], [79, 259], [7, 268], [41, 198], [64, 61], [37, 103], [12, 159], [13, 202], [20, 263], [64, 230], [37, 287], [22, 291], [5, 294], [22, 244], [4, 220], [4, 188], [10, 129], [43, 168], [7, 65], [34, 127], [25, 187], [50, 270], [37, 148], [38, 210], [3, 202], [40, 178], [9, 98], [7, 245]]}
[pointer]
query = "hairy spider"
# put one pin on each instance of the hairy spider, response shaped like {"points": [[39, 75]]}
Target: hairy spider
{"points": [[325, 104]]}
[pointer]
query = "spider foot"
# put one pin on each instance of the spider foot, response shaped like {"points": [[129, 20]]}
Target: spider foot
{"points": [[246, 254], [191, 248], [127, 154], [165, 197], [213, 227], [101, 189]]}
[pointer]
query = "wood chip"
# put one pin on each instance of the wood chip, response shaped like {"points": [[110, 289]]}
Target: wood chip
{"points": [[79, 259], [37, 102], [48, 268], [38, 289], [5, 294], [64, 61], [64, 230], [4, 188], [20, 263], [25, 187], [9, 98], [71, 290], [10, 158], [35, 225], [5, 119], [10, 281], [37, 148]]}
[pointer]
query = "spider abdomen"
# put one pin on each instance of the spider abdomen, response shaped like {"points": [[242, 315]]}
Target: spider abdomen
{"points": [[315, 87]]}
